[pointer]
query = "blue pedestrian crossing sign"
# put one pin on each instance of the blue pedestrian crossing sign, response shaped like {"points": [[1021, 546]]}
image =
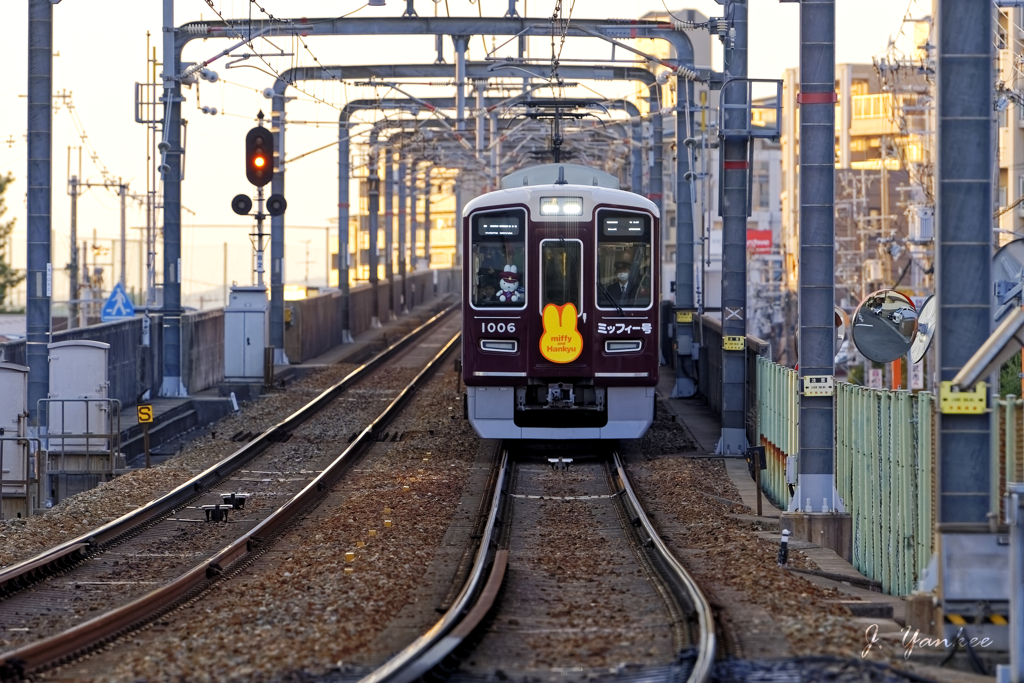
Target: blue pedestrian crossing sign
{"points": [[118, 306]]}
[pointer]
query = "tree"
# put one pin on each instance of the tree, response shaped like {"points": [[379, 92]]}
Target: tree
{"points": [[9, 276]]}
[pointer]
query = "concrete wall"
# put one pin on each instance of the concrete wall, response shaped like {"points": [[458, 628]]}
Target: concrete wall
{"points": [[317, 323], [202, 341], [315, 328], [709, 368]]}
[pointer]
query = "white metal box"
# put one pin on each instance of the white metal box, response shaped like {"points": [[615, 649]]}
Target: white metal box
{"points": [[13, 420], [246, 333], [14, 390], [78, 370]]}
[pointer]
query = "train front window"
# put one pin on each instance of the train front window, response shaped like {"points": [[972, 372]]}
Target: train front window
{"points": [[561, 273], [498, 260], [623, 260]]}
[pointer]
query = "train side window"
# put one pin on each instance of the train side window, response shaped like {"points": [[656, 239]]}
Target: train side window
{"points": [[498, 260], [561, 273], [623, 260]]}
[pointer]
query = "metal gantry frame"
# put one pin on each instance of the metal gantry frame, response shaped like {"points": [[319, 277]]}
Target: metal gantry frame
{"points": [[474, 70], [177, 38]]}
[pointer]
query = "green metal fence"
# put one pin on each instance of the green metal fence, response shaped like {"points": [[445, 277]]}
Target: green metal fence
{"points": [[777, 413], [884, 466], [884, 475]]}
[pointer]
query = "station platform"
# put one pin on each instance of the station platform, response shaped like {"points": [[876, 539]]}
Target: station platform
{"points": [[173, 418]]}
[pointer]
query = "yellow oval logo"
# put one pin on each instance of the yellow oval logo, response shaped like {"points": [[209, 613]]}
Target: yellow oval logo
{"points": [[560, 342]]}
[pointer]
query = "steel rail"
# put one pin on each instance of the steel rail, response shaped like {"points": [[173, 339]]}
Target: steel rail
{"points": [[706, 646], [468, 610], [57, 649], [69, 553]]}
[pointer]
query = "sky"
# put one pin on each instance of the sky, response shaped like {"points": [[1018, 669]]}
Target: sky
{"points": [[100, 53]]}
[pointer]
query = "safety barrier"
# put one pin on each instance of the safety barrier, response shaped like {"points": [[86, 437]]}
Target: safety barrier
{"points": [[134, 368], [778, 403], [1011, 445], [315, 325], [884, 475], [885, 442], [709, 369]]}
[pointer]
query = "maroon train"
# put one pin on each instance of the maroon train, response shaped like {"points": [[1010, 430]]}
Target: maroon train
{"points": [[560, 319]]}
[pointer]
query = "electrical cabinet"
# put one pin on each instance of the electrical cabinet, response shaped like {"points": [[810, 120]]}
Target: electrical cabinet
{"points": [[78, 370], [246, 333]]}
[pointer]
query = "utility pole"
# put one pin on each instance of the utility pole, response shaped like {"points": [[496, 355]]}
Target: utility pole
{"points": [[389, 228], [124, 243], [427, 190], [402, 255], [816, 485], [73, 266], [373, 207], [39, 280], [225, 292], [413, 210], [734, 210], [967, 521]]}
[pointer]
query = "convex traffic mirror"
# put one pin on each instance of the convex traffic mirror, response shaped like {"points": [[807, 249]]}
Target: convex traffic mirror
{"points": [[884, 326]]}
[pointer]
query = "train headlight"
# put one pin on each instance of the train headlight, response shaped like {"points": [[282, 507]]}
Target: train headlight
{"points": [[549, 206], [566, 206], [573, 206]]}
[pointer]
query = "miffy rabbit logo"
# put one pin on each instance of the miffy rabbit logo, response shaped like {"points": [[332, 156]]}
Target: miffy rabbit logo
{"points": [[560, 342]]}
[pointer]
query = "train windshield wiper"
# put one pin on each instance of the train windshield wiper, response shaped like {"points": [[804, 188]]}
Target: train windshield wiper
{"points": [[604, 290]]}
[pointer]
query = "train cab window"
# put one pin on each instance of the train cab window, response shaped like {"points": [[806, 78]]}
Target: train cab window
{"points": [[499, 260], [560, 273], [623, 260]]}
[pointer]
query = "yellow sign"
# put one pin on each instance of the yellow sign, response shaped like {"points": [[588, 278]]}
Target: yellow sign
{"points": [[145, 413], [730, 343], [560, 342], [962, 402], [684, 316]]}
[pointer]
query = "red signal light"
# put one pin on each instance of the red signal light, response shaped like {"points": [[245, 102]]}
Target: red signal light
{"points": [[259, 150]]}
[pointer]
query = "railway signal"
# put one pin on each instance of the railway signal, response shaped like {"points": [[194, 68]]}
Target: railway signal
{"points": [[259, 170], [259, 156]]}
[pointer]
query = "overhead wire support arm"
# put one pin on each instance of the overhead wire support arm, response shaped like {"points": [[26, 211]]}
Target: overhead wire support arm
{"points": [[687, 73]]}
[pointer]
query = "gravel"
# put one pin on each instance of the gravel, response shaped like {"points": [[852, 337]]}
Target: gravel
{"points": [[21, 539], [758, 602], [666, 435], [576, 603], [296, 609]]}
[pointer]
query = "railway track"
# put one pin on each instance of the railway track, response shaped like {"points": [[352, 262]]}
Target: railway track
{"points": [[166, 553], [550, 622]]}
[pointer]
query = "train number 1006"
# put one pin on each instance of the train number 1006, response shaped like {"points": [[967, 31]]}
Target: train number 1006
{"points": [[500, 327]]}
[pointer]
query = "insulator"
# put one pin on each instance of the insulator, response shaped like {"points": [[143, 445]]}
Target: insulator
{"points": [[687, 25], [689, 74], [196, 29]]}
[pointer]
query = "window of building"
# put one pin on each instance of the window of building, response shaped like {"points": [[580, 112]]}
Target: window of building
{"points": [[761, 185], [623, 260], [498, 260]]}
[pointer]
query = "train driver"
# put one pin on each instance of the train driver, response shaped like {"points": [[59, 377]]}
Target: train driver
{"points": [[623, 289]]}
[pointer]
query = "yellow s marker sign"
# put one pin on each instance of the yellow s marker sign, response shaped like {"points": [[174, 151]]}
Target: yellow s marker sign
{"points": [[560, 342]]}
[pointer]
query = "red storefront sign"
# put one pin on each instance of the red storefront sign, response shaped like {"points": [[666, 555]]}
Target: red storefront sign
{"points": [[759, 241]]}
